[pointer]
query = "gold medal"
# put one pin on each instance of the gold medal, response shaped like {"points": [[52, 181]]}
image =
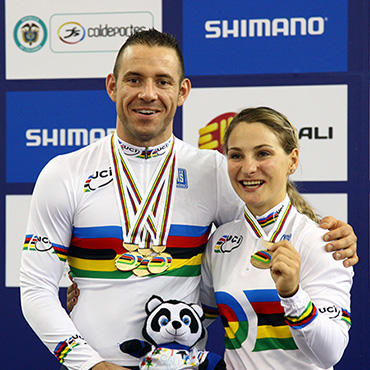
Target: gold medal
{"points": [[142, 269], [261, 259], [160, 263], [145, 251], [128, 261], [159, 248], [266, 244], [130, 247]]}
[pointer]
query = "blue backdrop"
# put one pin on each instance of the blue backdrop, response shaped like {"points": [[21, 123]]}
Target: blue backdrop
{"points": [[230, 63]]}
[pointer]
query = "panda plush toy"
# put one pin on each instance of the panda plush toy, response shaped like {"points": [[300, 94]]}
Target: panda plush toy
{"points": [[172, 328]]}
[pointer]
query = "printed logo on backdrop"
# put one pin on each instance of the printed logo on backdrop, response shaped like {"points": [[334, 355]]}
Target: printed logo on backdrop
{"points": [[71, 32], [30, 34], [211, 136], [51, 123], [95, 32], [264, 37]]}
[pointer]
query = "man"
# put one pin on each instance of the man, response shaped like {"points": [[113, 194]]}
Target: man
{"points": [[138, 232]]}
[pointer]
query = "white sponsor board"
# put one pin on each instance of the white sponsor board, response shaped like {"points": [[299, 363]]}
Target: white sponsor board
{"points": [[17, 208], [318, 112], [72, 39], [335, 205]]}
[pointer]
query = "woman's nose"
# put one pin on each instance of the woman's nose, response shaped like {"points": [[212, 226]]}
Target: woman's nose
{"points": [[249, 165]]}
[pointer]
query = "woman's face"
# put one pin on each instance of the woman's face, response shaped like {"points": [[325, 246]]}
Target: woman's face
{"points": [[258, 166]]}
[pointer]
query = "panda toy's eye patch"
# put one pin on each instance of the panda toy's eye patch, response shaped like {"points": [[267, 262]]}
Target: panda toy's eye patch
{"points": [[159, 320], [191, 321]]}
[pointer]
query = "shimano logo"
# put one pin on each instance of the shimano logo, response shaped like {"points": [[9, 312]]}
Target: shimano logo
{"points": [[264, 27], [65, 137]]}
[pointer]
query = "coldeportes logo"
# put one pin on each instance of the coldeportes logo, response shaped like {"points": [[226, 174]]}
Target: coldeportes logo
{"points": [[212, 135], [71, 32], [30, 34]]}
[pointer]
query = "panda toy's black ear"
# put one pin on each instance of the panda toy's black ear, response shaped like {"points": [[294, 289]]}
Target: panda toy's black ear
{"points": [[153, 302]]}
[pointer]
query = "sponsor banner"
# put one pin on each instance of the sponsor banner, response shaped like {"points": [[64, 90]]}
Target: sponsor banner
{"points": [[71, 40], [318, 112], [268, 36], [41, 125], [329, 205], [17, 208]]}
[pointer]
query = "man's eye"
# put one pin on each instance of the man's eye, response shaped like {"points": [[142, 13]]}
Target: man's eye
{"points": [[163, 83]]}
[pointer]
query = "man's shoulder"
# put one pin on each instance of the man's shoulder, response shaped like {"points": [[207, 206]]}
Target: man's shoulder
{"points": [[93, 149], [189, 151]]}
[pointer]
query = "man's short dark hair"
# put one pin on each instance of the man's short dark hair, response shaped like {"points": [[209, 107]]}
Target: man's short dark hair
{"points": [[151, 38]]}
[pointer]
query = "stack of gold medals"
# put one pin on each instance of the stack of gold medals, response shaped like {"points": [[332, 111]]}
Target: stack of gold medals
{"points": [[142, 262], [145, 214]]}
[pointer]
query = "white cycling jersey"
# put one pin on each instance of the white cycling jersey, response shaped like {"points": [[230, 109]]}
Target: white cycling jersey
{"points": [[75, 218], [263, 330]]}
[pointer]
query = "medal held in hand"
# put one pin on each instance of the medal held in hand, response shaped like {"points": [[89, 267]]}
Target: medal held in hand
{"points": [[262, 258]]}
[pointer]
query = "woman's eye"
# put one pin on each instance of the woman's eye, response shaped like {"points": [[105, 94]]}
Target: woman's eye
{"points": [[234, 156]]}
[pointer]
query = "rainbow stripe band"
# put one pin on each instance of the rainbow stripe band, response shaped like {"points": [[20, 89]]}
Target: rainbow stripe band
{"points": [[308, 315], [346, 316], [262, 256], [255, 225]]}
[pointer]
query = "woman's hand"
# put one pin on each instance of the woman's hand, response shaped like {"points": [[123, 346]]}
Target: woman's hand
{"points": [[285, 267]]}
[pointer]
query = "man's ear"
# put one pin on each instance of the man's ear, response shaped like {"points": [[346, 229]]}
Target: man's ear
{"points": [[110, 84], [184, 91]]}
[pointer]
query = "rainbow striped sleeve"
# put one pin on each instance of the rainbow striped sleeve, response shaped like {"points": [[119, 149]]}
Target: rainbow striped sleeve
{"points": [[346, 316], [299, 322], [210, 313]]}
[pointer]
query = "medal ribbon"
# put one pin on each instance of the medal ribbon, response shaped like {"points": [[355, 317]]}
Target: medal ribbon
{"points": [[277, 229], [138, 214]]}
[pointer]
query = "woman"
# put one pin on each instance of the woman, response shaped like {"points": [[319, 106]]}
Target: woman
{"points": [[283, 300]]}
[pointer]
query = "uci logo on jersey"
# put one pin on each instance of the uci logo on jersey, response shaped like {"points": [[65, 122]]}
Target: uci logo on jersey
{"points": [[97, 180], [227, 243], [331, 311]]}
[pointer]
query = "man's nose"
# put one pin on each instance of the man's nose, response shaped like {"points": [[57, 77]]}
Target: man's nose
{"points": [[148, 91]]}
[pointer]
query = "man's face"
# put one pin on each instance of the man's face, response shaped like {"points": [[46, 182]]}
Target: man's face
{"points": [[147, 93]]}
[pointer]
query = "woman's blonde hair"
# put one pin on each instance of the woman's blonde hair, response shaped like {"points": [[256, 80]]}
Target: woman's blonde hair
{"points": [[288, 138]]}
